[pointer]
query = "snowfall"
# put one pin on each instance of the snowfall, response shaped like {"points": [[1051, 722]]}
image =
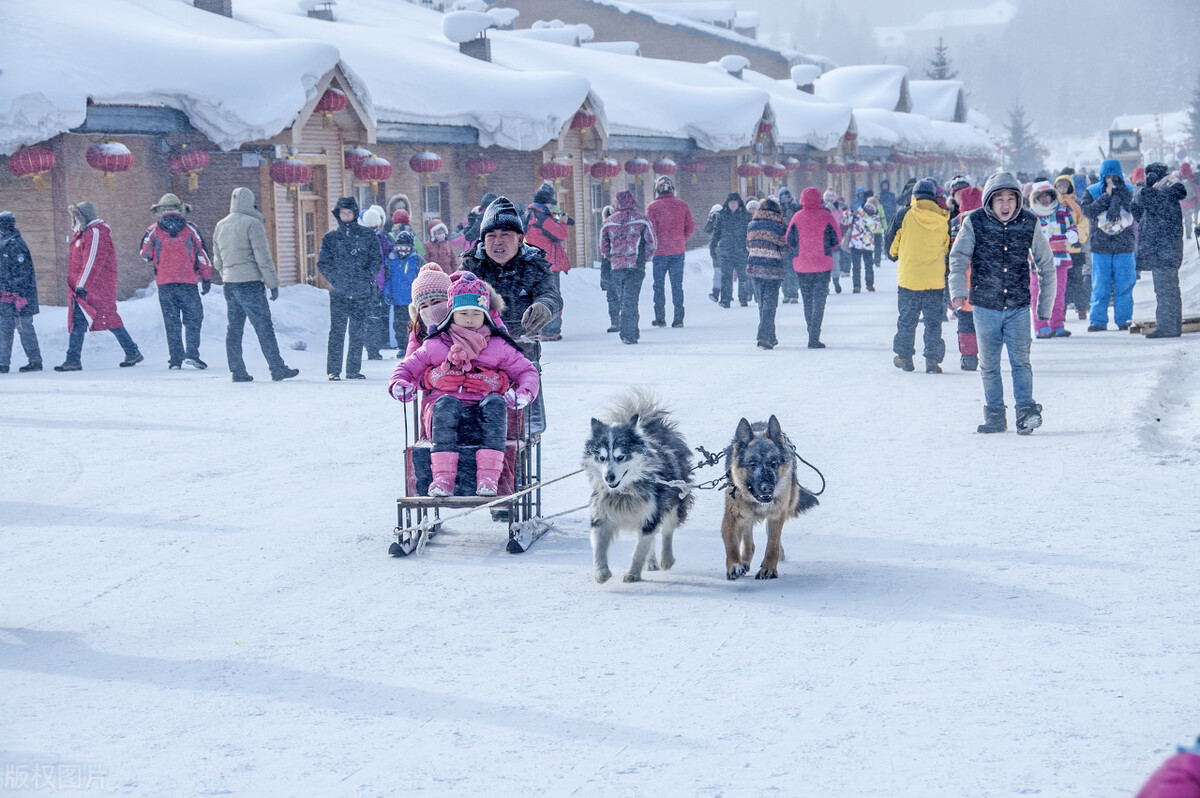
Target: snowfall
{"points": [[198, 599]]}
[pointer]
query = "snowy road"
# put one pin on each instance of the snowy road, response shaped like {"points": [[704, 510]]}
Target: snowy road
{"points": [[196, 598]]}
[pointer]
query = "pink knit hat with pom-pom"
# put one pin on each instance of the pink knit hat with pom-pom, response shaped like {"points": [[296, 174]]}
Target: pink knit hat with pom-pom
{"points": [[430, 283]]}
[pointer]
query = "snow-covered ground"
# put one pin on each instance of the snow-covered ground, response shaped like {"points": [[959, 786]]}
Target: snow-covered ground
{"points": [[197, 598]]}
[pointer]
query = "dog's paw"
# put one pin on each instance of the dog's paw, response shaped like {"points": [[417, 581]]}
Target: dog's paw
{"points": [[631, 577], [766, 573], [735, 570], [603, 575], [667, 562], [652, 564]]}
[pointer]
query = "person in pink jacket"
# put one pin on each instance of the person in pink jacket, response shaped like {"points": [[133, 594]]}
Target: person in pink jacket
{"points": [[1178, 777], [472, 370], [1058, 225], [813, 235], [673, 226]]}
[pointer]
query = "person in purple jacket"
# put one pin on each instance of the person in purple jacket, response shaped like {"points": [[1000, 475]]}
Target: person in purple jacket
{"points": [[473, 370], [1178, 777]]}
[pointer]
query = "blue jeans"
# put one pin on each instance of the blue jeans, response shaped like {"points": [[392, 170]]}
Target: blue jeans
{"points": [[181, 310], [249, 301], [11, 321], [1112, 275], [668, 266], [627, 284], [79, 328], [768, 302], [1011, 329]]}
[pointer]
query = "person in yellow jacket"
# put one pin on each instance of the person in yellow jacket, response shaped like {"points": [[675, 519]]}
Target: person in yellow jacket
{"points": [[1079, 277], [919, 240]]}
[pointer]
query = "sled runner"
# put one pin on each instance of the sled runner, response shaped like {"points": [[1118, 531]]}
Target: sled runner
{"points": [[518, 501]]}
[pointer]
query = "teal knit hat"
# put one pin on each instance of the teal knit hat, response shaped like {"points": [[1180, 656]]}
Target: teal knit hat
{"points": [[468, 292]]}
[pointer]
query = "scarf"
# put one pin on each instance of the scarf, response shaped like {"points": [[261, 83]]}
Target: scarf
{"points": [[467, 344]]}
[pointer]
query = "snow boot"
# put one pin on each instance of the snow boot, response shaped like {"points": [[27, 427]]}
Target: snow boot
{"points": [[932, 367], [1045, 332], [445, 470], [33, 365], [969, 363], [488, 465], [902, 363], [1029, 418], [994, 420]]}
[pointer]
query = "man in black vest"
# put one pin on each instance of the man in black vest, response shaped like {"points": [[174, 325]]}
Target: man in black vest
{"points": [[994, 242]]}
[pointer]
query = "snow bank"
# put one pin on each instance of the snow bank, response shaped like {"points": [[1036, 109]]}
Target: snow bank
{"points": [[236, 83]]}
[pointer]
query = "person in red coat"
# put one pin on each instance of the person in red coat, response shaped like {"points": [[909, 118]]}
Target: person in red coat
{"points": [[92, 283], [174, 247], [547, 230], [813, 234], [673, 226]]}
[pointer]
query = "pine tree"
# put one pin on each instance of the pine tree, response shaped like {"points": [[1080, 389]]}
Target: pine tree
{"points": [[1022, 144], [939, 65]]}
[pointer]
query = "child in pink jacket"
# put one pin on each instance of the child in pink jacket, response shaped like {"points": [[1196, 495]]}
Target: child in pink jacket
{"points": [[1058, 225], [473, 372]]}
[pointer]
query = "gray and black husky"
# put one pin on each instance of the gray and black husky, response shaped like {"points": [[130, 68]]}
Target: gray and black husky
{"points": [[641, 477]]}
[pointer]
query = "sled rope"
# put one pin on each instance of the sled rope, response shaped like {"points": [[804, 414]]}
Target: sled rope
{"points": [[711, 459], [430, 522]]}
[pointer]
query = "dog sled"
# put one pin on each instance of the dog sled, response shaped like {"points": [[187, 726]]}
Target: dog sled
{"points": [[518, 501]]}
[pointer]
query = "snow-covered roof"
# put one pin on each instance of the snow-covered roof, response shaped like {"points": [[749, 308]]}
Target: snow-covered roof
{"points": [[236, 83], [962, 138], [883, 86], [979, 119], [713, 13], [913, 131], [940, 100], [650, 97], [624, 48], [802, 118], [558, 31], [668, 14], [418, 76]]}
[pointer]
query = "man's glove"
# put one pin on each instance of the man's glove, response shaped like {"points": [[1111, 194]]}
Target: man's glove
{"points": [[535, 318], [205, 286], [516, 399], [274, 294], [81, 292], [403, 392], [570, 221]]}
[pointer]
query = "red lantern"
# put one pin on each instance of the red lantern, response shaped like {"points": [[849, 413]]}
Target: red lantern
{"points": [[606, 169], [637, 166], [188, 162], [836, 168], [353, 156], [665, 166], [764, 129], [775, 171], [791, 164], [583, 120], [332, 101], [109, 157], [850, 136], [693, 168], [291, 172], [856, 167], [32, 162], [556, 170], [374, 170], [480, 167], [425, 164], [749, 170], [810, 166]]}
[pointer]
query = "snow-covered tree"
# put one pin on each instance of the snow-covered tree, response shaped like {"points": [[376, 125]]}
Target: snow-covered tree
{"points": [[939, 65], [1023, 146]]}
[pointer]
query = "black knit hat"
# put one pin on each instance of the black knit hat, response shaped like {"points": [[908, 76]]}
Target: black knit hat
{"points": [[344, 202], [501, 215], [8, 223], [545, 194], [925, 189]]}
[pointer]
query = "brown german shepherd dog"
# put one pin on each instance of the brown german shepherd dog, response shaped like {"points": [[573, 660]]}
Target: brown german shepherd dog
{"points": [[762, 485]]}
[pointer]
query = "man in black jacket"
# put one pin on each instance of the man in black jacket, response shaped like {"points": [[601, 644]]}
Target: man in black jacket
{"points": [[521, 275], [349, 260], [1160, 245], [995, 242], [729, 238]]}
